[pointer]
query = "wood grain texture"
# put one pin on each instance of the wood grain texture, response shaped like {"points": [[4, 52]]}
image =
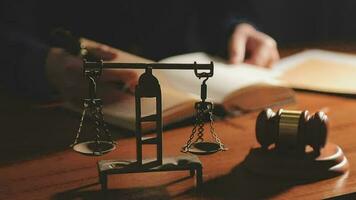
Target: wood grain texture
{"points": [[36, 162]]}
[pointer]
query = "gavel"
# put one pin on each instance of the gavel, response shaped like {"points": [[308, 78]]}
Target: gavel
{"points": [[292, 131]]}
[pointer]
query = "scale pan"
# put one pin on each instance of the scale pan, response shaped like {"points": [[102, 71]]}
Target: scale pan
{"points": [[94, 148], [204, 148]]}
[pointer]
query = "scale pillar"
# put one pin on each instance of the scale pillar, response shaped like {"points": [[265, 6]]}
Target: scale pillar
{"points": [[148, 87]]}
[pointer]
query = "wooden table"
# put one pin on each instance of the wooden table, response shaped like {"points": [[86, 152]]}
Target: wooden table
{"points": [[36, 162]]}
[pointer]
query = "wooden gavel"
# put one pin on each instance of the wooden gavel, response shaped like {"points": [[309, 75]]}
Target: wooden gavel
{"points": [[292, 130]]}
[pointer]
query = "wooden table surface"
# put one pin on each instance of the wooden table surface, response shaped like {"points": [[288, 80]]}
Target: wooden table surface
{"points": [[36, 162]]}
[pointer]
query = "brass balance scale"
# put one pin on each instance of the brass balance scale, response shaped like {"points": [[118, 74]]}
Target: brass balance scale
{"points": [[147, 87]]}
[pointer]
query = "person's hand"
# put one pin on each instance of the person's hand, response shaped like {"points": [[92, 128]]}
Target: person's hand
{"points": [[65, 73], [251, 46]]}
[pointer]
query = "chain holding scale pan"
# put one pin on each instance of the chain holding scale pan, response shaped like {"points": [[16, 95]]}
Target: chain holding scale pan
{"points": [[102, 142], [196, 143]]}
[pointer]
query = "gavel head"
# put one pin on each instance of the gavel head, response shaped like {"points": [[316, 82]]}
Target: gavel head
{"points": [[291, 130]]}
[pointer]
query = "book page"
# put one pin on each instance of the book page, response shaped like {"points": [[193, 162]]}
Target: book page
{"points": [[175, 104], [123, 114], [226, 78], [319, 70]]}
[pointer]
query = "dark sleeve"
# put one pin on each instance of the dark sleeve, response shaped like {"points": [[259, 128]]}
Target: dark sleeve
{"points": [[217, 21], [23, 56]]}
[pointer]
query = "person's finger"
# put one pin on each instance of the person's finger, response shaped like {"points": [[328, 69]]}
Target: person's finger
{"points": [[259, 56], [274, 58], [124, 76], [118, 84], [110, 94], [263, 50], [237, 48], [103, 52]]}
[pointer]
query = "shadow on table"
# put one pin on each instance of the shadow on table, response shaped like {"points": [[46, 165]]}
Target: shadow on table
{"points": [[86, 193], [30, 131], [240, 183], [134, 193]]}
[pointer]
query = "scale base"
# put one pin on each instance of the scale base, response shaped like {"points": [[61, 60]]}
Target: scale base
{"points": [[330, 163], [189, 163]]}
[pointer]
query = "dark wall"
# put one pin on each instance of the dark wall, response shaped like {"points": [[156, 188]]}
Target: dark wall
{"points": [[307, 20]]}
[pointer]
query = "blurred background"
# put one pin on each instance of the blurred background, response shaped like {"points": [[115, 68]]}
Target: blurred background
{"points": [[303, 21], [157, 29]]}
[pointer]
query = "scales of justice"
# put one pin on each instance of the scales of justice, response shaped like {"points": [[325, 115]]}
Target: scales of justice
{"points": [[148, 87]]}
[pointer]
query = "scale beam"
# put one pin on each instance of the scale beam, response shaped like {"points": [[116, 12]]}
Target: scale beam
{"points": [[116, 65], [90, 66]]}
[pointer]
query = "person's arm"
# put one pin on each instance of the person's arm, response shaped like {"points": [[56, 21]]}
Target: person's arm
{"points": [[22, 56], [227, 30], [33, 67], [22, 65], [65, 72], [35, 70]]}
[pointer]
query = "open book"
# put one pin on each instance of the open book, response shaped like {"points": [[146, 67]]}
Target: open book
{"points": [[233, 88], [318, 70], [241, 88]]}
